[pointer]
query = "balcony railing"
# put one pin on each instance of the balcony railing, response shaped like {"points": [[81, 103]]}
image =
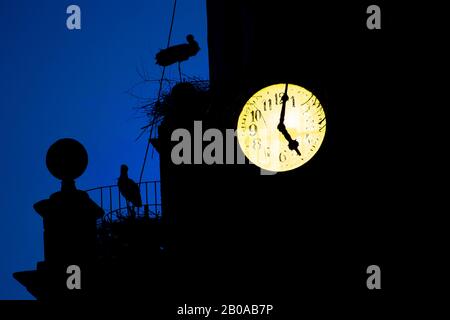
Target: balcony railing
{"points": [[115, 205]]}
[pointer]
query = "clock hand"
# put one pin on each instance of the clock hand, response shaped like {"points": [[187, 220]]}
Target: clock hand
{"points": [[293, 144], [284, 99]]}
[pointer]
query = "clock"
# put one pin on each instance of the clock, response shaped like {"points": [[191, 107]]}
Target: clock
{"points": [[281, 127]]}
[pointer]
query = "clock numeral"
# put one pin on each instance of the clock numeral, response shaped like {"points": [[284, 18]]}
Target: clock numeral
{"points": [[306, 110], [256, 115], [279, 96], [282, 157], [310, 97], [256, 144], [322, 121], [267, 104], [311, 140], [320, 113], [293, 102], [267, 152], [252, 129]]}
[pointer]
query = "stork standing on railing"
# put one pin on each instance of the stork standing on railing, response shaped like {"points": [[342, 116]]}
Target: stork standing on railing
{"points": [[178, 53], [129, 190]]}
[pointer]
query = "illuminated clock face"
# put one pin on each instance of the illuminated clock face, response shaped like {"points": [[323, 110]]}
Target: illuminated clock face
{"points": [[277, 142]]}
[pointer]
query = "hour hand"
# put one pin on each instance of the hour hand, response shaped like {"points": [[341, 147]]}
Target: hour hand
{"points": [[292, 144]]}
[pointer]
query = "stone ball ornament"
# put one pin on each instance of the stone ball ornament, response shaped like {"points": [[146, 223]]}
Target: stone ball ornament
{"points": [[67, 159]]}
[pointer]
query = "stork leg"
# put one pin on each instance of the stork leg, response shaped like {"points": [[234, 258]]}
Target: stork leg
{"points": [[128, 209], [179, 71], [131, 210]]}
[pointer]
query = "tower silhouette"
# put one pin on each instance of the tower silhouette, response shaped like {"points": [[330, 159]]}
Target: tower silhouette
{"points": [[69, 218]]}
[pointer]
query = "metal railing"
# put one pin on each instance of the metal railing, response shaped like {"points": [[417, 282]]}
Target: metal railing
{"points": [[115, 205]]}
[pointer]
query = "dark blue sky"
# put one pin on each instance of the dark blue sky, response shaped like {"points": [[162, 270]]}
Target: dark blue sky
{"points": [[58, 83]]}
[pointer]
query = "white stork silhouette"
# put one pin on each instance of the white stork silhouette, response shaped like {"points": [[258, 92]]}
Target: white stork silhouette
{"points": [[178, 53], [129, 190]]}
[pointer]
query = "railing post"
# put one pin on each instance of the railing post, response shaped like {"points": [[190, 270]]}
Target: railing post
{"points": [[118, 194], [110, 199], [146, 192], [156, 198]]}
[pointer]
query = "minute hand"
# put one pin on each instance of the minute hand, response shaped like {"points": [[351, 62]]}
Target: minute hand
{"points": [[293, 144], [284, 99]]}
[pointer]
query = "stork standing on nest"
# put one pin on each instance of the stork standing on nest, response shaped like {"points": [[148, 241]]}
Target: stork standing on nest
{"points": [[129, 190], [178, 53]]}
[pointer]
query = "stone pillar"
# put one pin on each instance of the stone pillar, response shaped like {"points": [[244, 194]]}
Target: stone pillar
{"points": [[69, 218]]}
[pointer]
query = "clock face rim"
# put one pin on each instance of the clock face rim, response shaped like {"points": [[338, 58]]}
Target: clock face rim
{"points": [[275, 89]]}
